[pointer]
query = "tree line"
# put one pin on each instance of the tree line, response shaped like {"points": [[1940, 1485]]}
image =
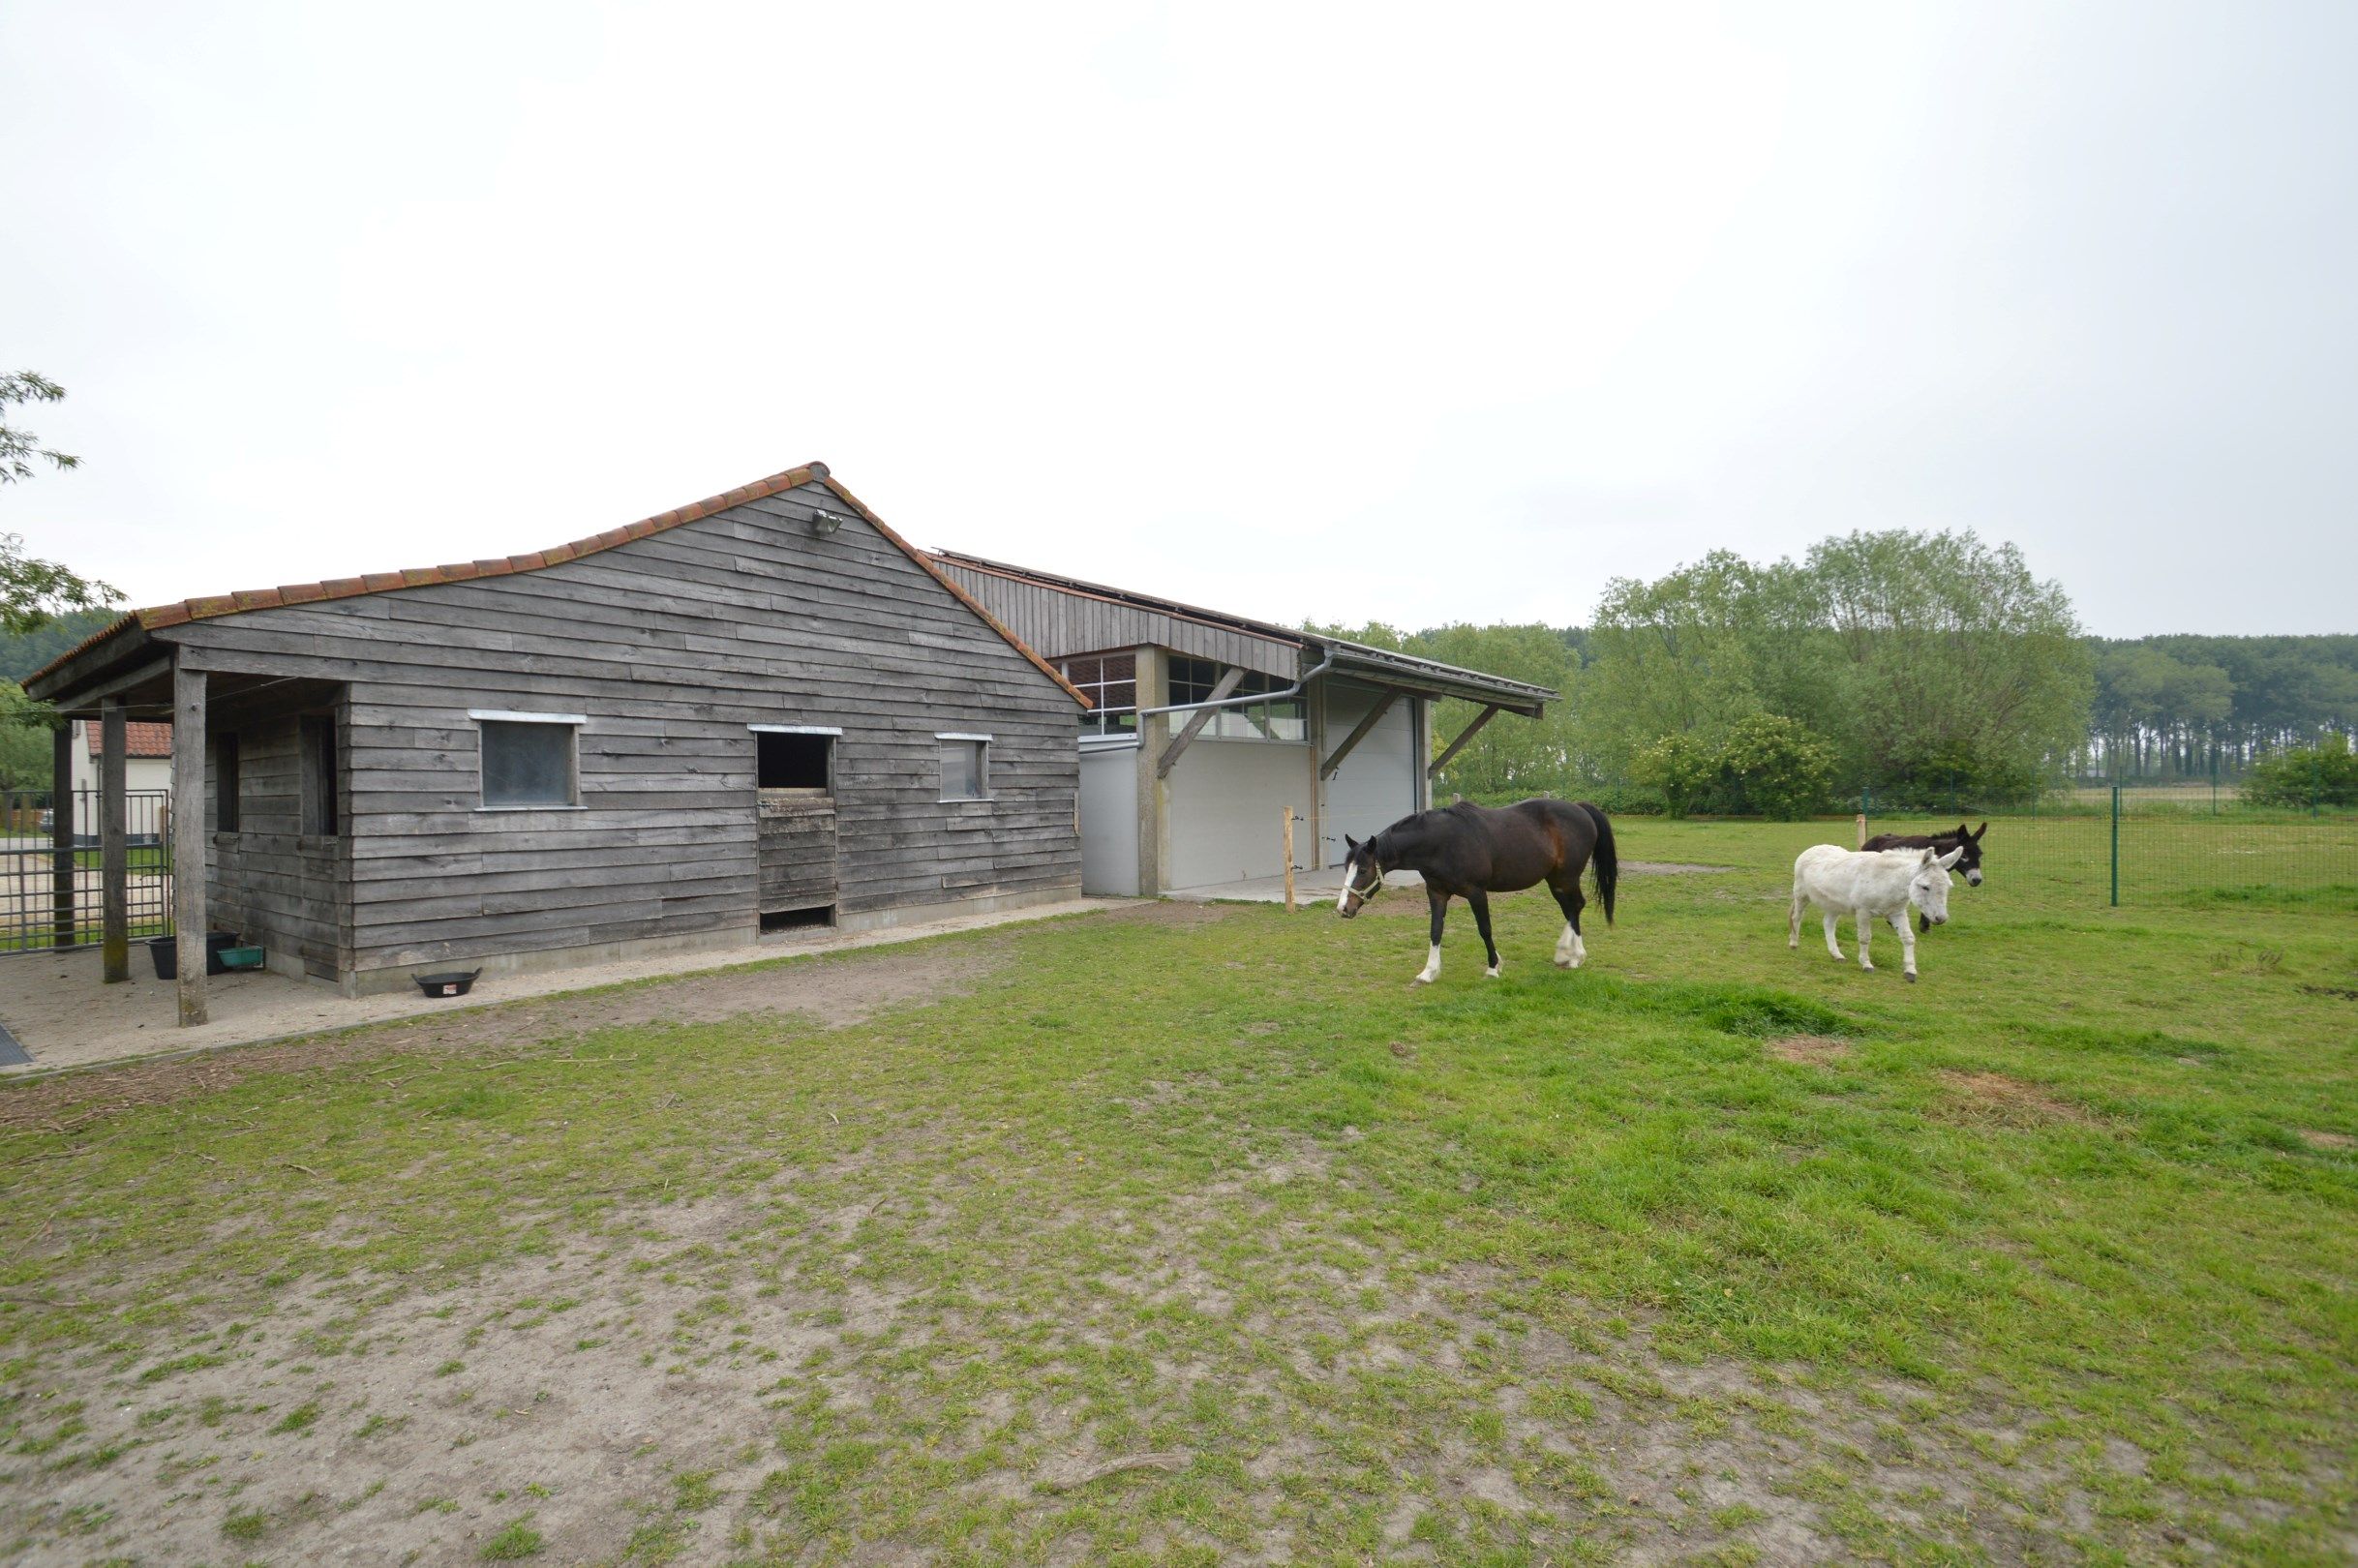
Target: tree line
{"points": [[2192, 707], [1920, 667]]}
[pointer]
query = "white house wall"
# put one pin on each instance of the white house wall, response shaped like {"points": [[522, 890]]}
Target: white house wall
{"points": [[139, 774]]}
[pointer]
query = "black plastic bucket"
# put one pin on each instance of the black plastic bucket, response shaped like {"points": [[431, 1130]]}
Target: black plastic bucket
{"points": [[164, 953]]}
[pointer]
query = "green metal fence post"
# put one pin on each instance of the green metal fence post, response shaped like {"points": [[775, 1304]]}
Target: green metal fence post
{"points": [[2116, 846]]}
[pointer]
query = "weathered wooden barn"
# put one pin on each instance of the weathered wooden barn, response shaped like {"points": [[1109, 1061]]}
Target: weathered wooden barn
{"points": [[759, 711], [1207, 728]]}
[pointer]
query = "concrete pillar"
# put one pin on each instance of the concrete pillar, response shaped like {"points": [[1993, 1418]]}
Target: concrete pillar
{"points": [[114, 857], [189, 918]]}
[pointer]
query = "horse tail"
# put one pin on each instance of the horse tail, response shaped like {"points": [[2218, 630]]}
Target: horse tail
{"points": [[1608, 869]]}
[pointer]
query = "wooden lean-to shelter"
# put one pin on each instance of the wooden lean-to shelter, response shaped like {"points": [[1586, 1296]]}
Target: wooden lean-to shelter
{"points": [[760, 710]]}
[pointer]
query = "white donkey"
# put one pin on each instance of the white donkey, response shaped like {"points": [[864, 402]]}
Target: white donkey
{"points": [[1869, 885]]}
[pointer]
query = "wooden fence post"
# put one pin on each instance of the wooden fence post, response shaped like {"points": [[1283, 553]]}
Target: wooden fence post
{"points": [[1289, 860]]}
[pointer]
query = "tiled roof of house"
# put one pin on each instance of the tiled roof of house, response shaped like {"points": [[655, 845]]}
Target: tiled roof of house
{"points": [[156, 618], [140, 738]]}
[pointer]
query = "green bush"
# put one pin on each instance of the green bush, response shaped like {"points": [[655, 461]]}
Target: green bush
{"points": [[1681, 768], [1772, 767], [1622, 800], [2324, 775]]}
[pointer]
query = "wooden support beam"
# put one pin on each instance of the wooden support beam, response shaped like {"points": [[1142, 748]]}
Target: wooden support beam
{"points": [[1224, 687], [1459, 744], [116, 685], [1384, 705], [115, 859], [63, 915], [188, 839]]}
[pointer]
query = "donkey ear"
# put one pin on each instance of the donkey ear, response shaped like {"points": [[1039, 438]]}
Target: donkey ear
{"points": [[1979, 831], [1929, 856], [1948, 860]]}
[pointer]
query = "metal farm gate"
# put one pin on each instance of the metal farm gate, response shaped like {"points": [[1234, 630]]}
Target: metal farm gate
{"points": [[49, 892]]}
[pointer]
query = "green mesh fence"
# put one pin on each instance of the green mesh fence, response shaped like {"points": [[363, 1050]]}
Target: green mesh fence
{"points": [[2191, 847]]}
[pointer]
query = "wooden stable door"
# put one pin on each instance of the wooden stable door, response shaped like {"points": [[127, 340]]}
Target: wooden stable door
{"points": [[794, 818]]}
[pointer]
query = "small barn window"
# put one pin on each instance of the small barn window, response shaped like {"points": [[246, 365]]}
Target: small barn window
{"points": [[529, 759], [225, 784], [316, 776], [791, 760], [965, 766]]}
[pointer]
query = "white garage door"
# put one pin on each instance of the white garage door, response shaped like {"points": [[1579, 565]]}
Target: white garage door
{"points": [[1376, 784], [1227, 806], [1109, 819]]}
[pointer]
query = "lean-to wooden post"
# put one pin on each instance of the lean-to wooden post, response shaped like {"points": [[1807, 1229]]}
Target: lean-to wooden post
{"points": [[114, 862], [63, 915], [1222, 690], [188, 918]]}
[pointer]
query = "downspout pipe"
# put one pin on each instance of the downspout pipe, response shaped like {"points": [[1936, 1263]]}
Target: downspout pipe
{"points": [[1251, 699]]}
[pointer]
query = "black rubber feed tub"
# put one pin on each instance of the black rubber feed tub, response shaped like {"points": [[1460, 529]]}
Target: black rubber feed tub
{"points": [[454, 983]]}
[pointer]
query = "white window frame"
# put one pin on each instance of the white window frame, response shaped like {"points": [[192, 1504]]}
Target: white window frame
{"points": [[502, 715], [982, 765]]}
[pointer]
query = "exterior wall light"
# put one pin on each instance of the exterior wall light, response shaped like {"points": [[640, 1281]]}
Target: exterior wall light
{"points": [[823, 524]]}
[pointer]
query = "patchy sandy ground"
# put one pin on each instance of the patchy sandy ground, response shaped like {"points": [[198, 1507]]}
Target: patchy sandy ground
{"points": [[671, 1389]]}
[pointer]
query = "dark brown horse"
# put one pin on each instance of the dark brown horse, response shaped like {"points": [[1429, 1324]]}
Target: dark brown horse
{"points": [[1470, 852], [1969, 864]]}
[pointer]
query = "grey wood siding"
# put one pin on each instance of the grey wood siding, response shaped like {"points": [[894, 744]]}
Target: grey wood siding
{"points": [[1056, 623], [670, 646]]}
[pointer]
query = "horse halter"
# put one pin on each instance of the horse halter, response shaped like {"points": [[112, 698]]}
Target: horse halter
{"points": [[1365, 895]]}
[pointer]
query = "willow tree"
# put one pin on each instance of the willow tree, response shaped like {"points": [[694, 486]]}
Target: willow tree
{"points": [[1957, 666]]}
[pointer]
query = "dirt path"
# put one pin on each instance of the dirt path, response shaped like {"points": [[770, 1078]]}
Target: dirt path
{"points": [[61, 1011], [831, 993]]}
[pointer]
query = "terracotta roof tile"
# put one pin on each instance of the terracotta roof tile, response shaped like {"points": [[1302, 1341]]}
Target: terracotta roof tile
{"points": [[140, 738]]}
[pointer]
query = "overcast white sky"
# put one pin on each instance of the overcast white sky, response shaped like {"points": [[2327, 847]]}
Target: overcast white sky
{"points": [[1436, 313]]}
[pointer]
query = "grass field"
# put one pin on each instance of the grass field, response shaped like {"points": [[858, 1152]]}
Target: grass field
{"points": [[1196, 1235]]}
